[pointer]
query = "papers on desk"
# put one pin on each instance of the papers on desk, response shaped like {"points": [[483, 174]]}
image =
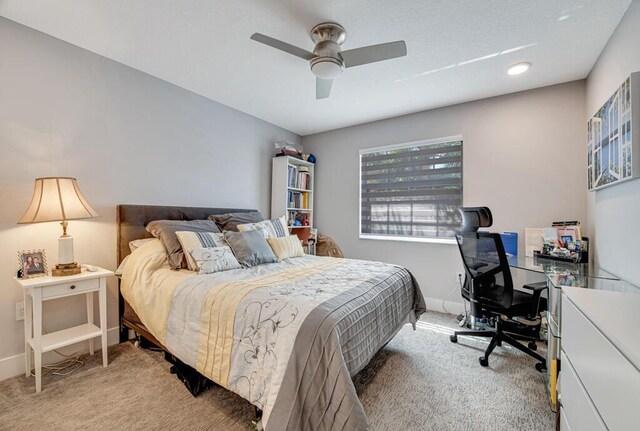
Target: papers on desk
{"points": [[550, 236], [569, 237], [532, 240], [562, 239]]}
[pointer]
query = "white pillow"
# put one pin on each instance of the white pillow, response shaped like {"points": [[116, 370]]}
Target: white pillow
{"points": [[214, 259], [274, 228], [120, 269], [137, 243], [189, 240]]}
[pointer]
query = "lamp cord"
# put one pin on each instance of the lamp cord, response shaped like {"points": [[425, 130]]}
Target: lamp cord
{"points": [[457, 286], [68, 365]]}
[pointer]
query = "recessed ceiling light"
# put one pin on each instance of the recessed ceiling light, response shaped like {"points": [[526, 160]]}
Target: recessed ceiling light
{"points": [[519, 68]]}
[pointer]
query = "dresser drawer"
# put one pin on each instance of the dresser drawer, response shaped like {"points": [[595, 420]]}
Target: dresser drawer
{"points": [[564, 425], [610, 380], [71, 288], [578, 410]]}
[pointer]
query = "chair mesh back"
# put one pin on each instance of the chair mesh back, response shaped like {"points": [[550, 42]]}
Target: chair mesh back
{"points": [[482, 253]]}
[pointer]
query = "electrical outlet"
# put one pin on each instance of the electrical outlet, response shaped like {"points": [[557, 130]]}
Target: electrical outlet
{"points": [[19, 311]]}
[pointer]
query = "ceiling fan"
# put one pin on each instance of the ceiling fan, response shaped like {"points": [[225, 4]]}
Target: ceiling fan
{"points": [[328, 60]]}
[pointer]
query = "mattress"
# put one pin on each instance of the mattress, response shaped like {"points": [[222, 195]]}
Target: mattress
{"points": [[288, 336]]}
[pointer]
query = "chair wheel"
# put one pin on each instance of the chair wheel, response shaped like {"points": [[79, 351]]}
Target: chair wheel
{"points": [[453, 338], [484, 361], [541, 366], [532, 345]]}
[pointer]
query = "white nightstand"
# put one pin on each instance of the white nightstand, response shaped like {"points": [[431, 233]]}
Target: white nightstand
{"points": [[37, 290]]}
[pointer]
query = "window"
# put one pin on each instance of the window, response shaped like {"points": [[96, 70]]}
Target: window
{"points": [[411, 191]]}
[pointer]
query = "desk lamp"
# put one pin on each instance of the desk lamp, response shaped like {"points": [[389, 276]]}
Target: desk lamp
{"points": [[59, 199]]}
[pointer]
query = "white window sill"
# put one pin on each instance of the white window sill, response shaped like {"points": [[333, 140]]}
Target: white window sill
{"points": [[451, 241]]}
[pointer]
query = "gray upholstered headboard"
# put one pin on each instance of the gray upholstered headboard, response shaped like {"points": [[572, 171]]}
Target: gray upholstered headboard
{"points": [[132, 220]]}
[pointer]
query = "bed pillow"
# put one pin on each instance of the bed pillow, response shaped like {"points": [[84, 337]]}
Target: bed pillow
{"points": [[165, 231], [189, 240], [214, 259], [286, 247], [137, 243], [250, 248], [120, 268], [274, 228], [230, 221]]}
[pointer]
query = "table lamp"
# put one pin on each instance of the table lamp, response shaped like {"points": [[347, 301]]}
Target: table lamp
{"points": [[59, 199]]}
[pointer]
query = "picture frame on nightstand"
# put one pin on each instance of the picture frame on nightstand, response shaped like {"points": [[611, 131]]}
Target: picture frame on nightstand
{"points": [[33, 263]]}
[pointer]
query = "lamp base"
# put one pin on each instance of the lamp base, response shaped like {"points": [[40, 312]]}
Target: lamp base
{"points": [[66, 269]]}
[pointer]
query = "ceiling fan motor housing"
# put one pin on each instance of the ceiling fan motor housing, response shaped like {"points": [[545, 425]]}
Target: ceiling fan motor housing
{"points": [[328, 37]]}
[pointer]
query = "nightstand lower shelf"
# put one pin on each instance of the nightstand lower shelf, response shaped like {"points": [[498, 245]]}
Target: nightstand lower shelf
{"points": [[68, 336], [45, 289]]}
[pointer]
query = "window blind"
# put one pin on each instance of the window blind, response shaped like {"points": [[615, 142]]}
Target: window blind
{"points": [[411, 191]]}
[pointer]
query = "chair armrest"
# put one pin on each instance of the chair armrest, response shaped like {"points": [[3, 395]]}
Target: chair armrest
{"points": [[536, 287]]}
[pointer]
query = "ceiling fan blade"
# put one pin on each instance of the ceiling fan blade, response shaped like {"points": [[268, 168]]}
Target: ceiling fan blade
{"points": [[323, 88], [373, 53], [283, 46]]}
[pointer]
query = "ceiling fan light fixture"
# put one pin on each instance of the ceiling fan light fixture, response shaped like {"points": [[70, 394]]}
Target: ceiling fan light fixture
{"points": [[326, 68], [518, 68]]}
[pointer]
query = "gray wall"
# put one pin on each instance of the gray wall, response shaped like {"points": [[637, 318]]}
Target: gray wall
{"points": [[523, 157], [128, 138], [613, 212]]}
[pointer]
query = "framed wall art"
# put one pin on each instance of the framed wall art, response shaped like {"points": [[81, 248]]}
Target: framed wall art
{"points": [[613, 153]]}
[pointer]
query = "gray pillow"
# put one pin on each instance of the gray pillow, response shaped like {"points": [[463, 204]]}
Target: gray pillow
{"points": [[230, 221], [250, 248], [165, 231]]}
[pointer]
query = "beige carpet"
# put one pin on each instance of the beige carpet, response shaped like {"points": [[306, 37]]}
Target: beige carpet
{"points": [[420, 381]]}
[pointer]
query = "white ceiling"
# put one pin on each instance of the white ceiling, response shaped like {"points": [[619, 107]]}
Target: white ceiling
{"points": [[457, 50]]}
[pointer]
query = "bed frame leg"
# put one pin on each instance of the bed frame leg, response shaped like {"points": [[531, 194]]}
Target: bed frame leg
{"points": [[124, 333], [257, 421]]}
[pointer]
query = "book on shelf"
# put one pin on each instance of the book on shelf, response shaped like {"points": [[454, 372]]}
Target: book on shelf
{"points": [[298, 200], [291, 176], [298, 178]]}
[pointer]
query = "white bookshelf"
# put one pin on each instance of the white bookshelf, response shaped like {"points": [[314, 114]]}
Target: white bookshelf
{"points": [[281, 188]]}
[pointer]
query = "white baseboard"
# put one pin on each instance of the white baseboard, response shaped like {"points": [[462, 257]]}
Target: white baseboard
{"points": [[14, 365], [449, 307], [11, 366]]}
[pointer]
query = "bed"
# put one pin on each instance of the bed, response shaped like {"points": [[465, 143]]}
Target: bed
{"points": [[287, 336]]}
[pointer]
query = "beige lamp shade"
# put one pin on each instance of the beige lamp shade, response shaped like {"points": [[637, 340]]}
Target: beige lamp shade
{"points": [[57, 199]]}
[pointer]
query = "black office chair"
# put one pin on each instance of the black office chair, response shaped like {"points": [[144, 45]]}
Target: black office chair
{"points": [[489, 288]]}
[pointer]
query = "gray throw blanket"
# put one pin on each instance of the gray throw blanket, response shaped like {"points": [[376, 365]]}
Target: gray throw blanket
{"points": [[338, 339]]}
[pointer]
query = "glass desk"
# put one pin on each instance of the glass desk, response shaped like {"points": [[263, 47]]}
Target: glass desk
{"points": [[562, 274], [548, 267]]}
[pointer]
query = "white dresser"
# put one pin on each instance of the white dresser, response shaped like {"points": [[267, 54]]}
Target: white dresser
{"points": [[600, 377]]}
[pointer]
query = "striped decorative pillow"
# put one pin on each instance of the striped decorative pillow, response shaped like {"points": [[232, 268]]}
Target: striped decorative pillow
{"points": [[286, 247], [274, 228], [193, 240]]}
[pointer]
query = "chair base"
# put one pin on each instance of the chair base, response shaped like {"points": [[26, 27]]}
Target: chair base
{"points": [[497, 338]]}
